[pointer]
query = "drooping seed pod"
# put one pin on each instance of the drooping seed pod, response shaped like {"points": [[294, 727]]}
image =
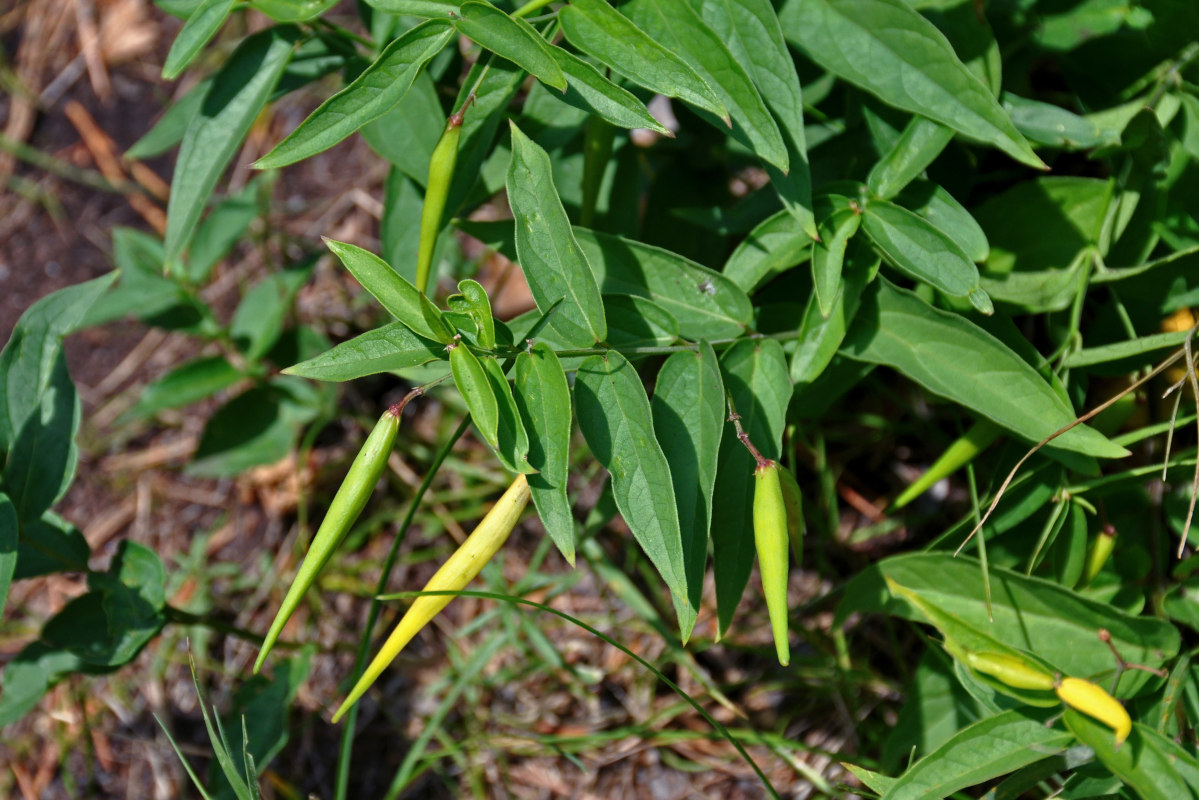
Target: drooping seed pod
{"points": [[459, 570], [1094, 701], [347, 504], [770, 540], [1010, 669], [437, 189]]}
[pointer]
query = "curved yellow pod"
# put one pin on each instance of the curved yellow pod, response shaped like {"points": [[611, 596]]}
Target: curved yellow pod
{"points": [[454, 574], [1094, 701]]}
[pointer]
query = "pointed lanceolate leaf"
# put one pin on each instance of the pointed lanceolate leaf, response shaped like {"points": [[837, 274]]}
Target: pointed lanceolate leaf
{"points": [[614, 415], [755, 375], [917, 147], [675, 24], [589, 90], [475, 387], [199, 29], [371, 95], [611, 38], [689, 415], [389, 348], [394, 292], [919, 249], [512, 442], [543, 397], [551, 258], [887, 48], [753, 35], [950, 356], [511, 38], [232, 103]]}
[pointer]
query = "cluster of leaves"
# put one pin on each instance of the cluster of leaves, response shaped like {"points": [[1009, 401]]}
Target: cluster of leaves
{"points": [[897, 216]]}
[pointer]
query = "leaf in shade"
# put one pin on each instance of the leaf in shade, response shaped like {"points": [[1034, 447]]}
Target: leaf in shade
{"points": [[511, 38]]}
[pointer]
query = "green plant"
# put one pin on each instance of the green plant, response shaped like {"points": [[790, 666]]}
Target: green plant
{"points": [[769, 251]]}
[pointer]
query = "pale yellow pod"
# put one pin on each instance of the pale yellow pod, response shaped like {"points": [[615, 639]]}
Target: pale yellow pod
{"points": [[1094, 701], [459, 570], [771, 542], [1011, 670]]}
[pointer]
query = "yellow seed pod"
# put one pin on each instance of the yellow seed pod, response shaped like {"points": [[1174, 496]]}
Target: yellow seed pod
{"points": [[1094, 701], [1011, 670], [459, 570], [771, 542]]}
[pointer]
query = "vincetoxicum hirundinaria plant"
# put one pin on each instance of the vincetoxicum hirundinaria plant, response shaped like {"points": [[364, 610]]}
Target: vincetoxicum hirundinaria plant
{"points": [[839, 186]]}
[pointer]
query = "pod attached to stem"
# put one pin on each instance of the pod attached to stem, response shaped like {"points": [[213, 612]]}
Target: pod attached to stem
{"points": [[1094, 701], [771, 540], [437, 189], [347, 504]]}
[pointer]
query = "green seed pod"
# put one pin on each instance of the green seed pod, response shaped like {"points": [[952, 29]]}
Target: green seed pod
{"points": [[1101, 551], [770, 539], [437, 189], [1010, 669], [956, 456], [459, 570], [347, 504], [1094, 701], [794, 502]]}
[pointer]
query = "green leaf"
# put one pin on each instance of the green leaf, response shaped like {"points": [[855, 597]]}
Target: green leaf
{"points": [[428, 9], [614, 415], [198, 31], [675, 24], [1040, 233], [689, 415], [407, 134], [587, 89], [755, 375], [751, 31], [50, 544], [511, 38], [917, 147], [922, 251], [30, 357], [836, 228], [513, 441], [611, 38], [292, 10], [479, 308], [251, 429], [220, 231], [637, 322], [1054, 624], [774, 246], [952, 357], [237, 94], [1156, 767], [477, 391], [41, 463], [947, 215], [9, 536], [1142, 351], [258, 320], [553, 263], [888, 49], [982, 751], [171, 126], [403, 300], [820, 336], [543, 398], [30, 675], [109, 625], [390, 348], [1053, 126], [371, 95], [194, 381]]}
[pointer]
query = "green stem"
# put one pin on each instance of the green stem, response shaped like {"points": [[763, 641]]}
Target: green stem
{"points": [[530, 7]]}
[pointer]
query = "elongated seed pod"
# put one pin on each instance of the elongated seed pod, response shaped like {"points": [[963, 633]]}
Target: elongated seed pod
{"points": [[1011, 670], [1094, 701], [459, 570], [956, 456], [347, 504], [770, 540], [437, 189]]}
